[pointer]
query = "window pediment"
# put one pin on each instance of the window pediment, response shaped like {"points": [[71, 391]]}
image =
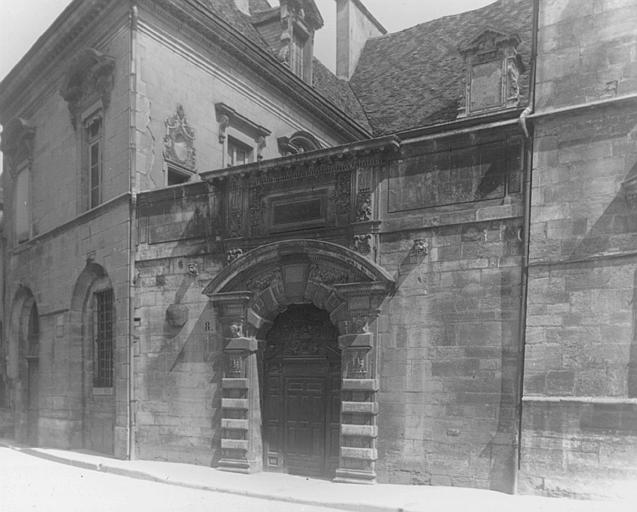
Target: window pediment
{"points": [[89, 78], [17, 143]]}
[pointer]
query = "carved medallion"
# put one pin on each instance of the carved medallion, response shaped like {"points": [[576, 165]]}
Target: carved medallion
{"points": [[179, 140]]}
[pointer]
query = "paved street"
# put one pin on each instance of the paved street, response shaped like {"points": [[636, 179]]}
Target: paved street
{"points": [[31, 484]]}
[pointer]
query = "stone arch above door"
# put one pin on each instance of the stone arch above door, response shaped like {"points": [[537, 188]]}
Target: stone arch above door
{"points": [[251, 292]]}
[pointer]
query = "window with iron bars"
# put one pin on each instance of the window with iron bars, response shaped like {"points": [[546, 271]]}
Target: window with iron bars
{"points": [[103, 369]]}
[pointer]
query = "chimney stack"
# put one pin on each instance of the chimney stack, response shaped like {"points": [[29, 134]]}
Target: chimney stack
{"points": [[354, 26]]}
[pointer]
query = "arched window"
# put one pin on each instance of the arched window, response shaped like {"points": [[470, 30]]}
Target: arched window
{"points": [[299, 142]]}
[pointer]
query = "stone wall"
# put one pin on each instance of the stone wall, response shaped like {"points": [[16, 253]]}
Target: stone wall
{"points": [[579, 434], [450, 351], [178, 354], [448, 341]]}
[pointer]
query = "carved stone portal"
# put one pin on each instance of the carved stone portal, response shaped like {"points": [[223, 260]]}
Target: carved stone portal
{"points": [[338, 284]]}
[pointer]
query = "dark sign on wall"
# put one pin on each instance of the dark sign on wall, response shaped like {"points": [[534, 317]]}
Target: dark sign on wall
{"points": [[477, 173]]}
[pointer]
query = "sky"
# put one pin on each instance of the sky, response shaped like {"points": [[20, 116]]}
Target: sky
{"points": [[23, 22]]}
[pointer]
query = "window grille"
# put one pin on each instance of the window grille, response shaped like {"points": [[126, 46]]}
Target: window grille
{"points": [[103, 375]]}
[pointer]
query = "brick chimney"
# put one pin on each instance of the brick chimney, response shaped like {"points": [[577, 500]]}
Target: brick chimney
{"points": [[354, 26]]}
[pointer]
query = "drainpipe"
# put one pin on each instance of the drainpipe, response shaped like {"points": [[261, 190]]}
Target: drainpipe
{"points": [[132, 242], [526, 238]]}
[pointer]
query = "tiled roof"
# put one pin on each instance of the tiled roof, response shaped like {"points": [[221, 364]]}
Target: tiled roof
{"points": [[339, 93], [414, 78], [324, 81], [259, 5], [227, 10]]}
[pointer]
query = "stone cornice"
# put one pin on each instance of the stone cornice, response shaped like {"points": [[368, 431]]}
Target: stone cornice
{"points": [[388, 145], [57, 38]]}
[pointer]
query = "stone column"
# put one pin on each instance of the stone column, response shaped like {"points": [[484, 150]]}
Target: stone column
{"points": [[359, 404], [241, 443]]}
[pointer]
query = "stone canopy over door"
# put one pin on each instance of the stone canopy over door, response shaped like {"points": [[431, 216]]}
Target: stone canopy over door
{"points": [[331, 356]]}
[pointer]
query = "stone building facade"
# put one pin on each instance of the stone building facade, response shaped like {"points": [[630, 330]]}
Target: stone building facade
{"points": [[420, 270]]}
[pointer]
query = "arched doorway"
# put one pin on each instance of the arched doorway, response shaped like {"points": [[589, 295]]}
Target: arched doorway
{"points": [[32, 372], [253, 297], [301, 393], [93, 338], [26, 333]]}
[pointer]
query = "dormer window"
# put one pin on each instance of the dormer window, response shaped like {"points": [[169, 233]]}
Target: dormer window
{"points": [[492, 70], [289, 30], [297, 58]]}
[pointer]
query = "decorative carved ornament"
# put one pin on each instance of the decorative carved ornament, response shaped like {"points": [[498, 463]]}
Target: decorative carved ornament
{"points": [[90, 77], [342, 195], [263, 281], [179, 140], [328, 275], [363, 205], [362, 244], [233, 254], [421, 247], [235, 206], [310, 334], [17, 143]]}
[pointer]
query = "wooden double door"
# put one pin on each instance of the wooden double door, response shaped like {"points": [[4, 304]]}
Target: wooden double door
{"points": [[301, 394]]}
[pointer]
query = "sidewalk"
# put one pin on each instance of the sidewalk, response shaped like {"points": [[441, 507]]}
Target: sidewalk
{"points": [[304, 491]]}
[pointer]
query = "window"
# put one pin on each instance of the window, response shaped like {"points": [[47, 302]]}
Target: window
{"points": [[103, 339], [94, 159], [23, 205], [297, 57], [176, 176], [238, 152]]}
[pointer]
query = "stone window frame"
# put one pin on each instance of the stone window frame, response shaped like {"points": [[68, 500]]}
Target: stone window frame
{"points": [[233, 125], [24, 170], [90, 115]]}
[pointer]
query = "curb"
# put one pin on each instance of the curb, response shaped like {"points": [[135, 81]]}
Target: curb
{"points": [[141, 475]]}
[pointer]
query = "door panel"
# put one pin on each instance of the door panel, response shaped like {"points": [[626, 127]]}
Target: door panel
{"points": [[301, 393], [305, 425]]}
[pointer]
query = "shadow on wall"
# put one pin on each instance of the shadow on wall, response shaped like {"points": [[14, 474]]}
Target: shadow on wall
{"points": [[183, 368], [471, 325]]}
